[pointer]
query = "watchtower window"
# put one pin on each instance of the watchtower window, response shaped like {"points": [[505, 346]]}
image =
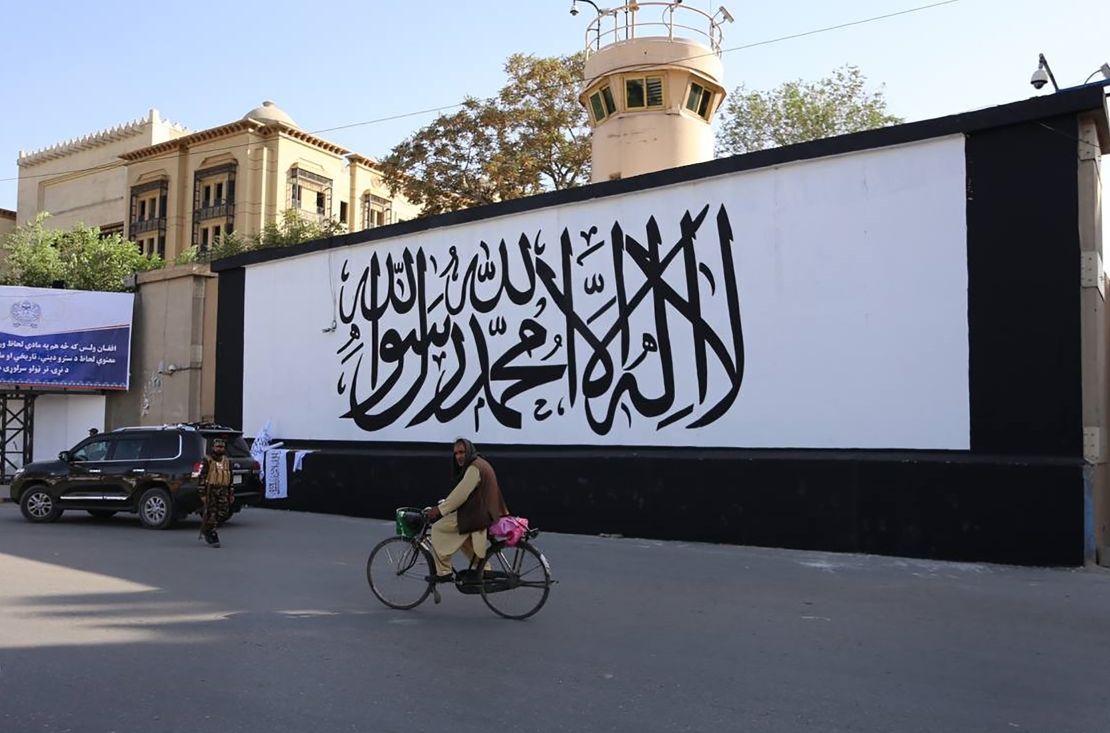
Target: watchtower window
{"points": [[698, 100], [643, 92], [602, 104]]}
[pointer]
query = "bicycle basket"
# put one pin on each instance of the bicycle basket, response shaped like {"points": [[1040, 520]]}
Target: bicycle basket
{"points": [[409, 521]]}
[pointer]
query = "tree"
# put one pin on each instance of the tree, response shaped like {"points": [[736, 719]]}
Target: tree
{"points": [[799, 111], [293, 228], [80, 257], [532, 137]]}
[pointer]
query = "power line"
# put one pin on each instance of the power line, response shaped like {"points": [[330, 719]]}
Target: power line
{"points": [[390, 118], [172, 153], [792, 36]]}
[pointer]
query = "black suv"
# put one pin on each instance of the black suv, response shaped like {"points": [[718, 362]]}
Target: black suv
{"points": [[149, 470]]}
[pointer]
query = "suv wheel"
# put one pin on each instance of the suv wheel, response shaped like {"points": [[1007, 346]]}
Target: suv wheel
{"points": [[156, 510], [38, 505]]}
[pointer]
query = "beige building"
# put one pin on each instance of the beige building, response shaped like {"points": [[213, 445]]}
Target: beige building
{"points": [[84, 181], [7, 223], [169, 189]]}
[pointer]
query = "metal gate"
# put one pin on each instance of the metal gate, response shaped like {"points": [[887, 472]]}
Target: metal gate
{"points": [[17, 429]]}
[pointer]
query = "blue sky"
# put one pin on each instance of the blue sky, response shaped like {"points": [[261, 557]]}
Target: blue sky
{"points": [[70, 70]]}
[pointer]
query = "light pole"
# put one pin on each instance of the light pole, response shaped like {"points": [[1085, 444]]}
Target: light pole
{"points": [[1104, 70]]}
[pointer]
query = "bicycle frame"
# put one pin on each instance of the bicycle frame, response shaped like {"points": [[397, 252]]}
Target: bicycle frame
{"points": [[506, 577]]}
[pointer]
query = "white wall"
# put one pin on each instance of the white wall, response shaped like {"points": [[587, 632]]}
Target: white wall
{"points": [[850, 281], [62, 420]]}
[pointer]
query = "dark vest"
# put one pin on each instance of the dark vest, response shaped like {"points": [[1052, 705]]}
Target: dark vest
{"points": [[485, 505]]}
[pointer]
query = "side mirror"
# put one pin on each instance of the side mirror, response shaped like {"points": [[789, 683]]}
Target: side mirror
{"points": [[65, 457]]}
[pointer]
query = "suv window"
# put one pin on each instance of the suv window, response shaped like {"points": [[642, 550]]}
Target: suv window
{"points": [[127, 449], [236, 446], [162, 445], [94, 450]]}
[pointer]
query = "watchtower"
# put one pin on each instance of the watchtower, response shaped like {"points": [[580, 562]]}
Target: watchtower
{"points": [[653, 82]]}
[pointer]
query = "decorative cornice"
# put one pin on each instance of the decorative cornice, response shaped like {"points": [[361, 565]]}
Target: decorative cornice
{"points": [[212, 133], [215, 133], [7, 214], [93, 140], [305, 137], [364, 161]]}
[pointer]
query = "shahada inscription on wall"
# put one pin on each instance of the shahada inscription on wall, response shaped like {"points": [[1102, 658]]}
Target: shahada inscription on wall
{"points": [[821, 304]]}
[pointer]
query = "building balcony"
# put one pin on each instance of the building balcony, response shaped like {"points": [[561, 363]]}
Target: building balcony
{"points": [[147, 225], [215, 210], [315, 214]]}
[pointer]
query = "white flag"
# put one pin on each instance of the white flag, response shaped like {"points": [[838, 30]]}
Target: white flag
{"points": [[277, 475], [261, 443]]}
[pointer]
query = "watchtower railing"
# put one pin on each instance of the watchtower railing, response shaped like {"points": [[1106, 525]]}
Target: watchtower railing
{"points": [[634, 20]]}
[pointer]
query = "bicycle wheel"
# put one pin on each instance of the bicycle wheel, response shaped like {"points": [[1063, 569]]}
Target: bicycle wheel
{"points": [[398, 572], [516, 581]]}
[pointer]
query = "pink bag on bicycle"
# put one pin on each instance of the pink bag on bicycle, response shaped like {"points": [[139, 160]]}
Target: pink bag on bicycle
{"points": [[509, 530]]}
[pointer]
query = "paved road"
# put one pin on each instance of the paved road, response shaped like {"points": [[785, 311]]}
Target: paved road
{"points": [[108, 627]]}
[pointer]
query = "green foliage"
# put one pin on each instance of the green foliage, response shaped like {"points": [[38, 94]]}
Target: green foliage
{"points": [[31, 255], [532, 137], [187, 256], [37, 256], [293, 228], [799, 111]]}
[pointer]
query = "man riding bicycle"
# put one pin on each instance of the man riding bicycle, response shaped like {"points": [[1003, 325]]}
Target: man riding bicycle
{"points": [[461, 520]]}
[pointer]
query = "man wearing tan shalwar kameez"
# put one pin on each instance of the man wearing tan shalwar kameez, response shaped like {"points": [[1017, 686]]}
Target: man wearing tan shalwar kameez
{"points": [[463, 517]]}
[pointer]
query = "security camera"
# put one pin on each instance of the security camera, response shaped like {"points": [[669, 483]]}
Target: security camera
{"points": [[574, 8], [1039, 78], [727, 15]]}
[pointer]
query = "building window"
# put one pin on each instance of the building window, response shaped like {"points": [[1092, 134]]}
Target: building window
{"points": [[312, 190], [699, 100], [643, 92], [110, 230], [376, 211], [602, 104], [148, 210], [151, 246], [343, 211], [213, 204]]}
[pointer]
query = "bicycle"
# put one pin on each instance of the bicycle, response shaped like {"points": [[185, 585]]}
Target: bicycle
{"points": [[514, 581]]}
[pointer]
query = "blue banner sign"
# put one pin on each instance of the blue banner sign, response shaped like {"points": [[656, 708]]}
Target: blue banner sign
{"points": [[65, 338]]}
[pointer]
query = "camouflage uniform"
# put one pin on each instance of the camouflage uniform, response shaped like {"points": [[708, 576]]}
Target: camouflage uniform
{"points": [[215, 493]]}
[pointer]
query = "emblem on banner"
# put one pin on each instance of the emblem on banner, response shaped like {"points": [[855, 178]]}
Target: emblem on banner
{"points": [[26, 314]]}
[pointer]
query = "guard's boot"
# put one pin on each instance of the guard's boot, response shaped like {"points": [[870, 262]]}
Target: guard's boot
{"points": [[212, 538]]}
